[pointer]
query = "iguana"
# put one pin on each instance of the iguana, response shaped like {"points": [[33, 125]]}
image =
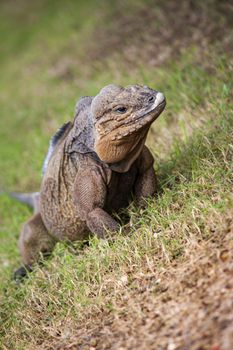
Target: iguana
{"points": [[94, 165]]}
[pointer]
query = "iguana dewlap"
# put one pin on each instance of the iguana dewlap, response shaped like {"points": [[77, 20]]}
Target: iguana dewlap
{"points": [[94, 166]]}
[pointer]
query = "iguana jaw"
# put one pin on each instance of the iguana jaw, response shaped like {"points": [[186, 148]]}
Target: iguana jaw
{"points": [[114, 152]]}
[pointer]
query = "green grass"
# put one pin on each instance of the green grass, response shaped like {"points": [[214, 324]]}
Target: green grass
{"points": [[191, 142]]}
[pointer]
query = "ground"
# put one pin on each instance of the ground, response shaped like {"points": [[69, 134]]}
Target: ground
{"points": [[168, 284]]}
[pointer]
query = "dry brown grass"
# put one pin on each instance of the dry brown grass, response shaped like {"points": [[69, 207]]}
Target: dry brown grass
{"points": [[182, 305]]}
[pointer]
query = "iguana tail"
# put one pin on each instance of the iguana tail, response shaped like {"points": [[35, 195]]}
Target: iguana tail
{"points": [[31, 199]]}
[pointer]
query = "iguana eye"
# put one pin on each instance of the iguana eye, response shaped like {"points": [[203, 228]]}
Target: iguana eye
{"points": [[121, 109]]}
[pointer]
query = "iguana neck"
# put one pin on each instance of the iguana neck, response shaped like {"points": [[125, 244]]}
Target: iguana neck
{"points": [[125, 164]]}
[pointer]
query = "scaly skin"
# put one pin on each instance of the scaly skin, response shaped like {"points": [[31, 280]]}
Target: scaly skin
{"points": [[94, 166]]}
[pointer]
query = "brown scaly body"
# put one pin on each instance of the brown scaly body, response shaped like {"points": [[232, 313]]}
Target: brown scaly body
{"points": [[93, 167]]}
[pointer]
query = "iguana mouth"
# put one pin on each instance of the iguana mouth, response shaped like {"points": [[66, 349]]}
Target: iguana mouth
{"points": [[141, 121], [159, 108]]}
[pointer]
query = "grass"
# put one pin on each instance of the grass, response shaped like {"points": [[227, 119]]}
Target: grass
{"points": [[43, 74]]}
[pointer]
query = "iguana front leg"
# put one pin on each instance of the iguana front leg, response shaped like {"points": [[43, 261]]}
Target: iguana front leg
{"points": [[146, 182], [89, 197]]}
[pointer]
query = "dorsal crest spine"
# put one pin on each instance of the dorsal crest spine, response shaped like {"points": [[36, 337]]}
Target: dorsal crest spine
{"points": [[53, 142]]}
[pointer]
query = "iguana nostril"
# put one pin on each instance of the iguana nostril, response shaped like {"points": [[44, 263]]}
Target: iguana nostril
{"points": [[151, 99]]}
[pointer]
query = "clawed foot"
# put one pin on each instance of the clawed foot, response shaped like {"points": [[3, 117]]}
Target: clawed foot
{"points": [[22, 273]]}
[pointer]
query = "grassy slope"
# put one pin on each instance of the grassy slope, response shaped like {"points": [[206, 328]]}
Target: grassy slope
{"points": [[43, 74]]}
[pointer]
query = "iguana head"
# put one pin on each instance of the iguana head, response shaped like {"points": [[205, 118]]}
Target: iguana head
{"points": [[122, 118]]}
